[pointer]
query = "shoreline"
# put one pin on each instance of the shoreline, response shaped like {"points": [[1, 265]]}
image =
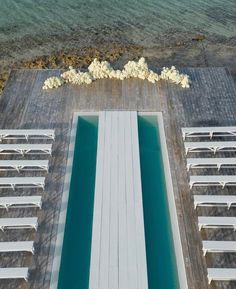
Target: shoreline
{"points": [[197, 51]]}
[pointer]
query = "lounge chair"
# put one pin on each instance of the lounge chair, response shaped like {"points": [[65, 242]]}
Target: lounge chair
{"points": [[208, 131], [27, 134], [18, 223], [24, 149], [223, 146], [218, 246], [216, 222], [21, 202], [214, 200], [24, 165], [221, 274], [19, 246], [208, 163], [22, 182], [14, 273], [212, 181]]}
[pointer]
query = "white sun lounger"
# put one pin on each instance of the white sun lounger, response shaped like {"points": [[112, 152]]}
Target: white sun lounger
{"points": [[22, 182], [214, 200], [27, 134], [14, 273], [24, 165], [18, 223], [19, 246], [216, 222], [224, 146], [208, 163], [221, 274], [24, 149], [218, 247], [212, 181], [21, 202], [208, 131]]}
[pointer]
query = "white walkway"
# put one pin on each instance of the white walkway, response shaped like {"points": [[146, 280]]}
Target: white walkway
{"points": [[118, 258]]}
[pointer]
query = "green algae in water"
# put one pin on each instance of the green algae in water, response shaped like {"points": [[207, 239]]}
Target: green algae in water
{"points": [[161, 264], [75, 259]]}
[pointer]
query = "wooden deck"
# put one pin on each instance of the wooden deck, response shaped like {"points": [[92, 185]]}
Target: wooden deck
{"points": [[210, 101]]}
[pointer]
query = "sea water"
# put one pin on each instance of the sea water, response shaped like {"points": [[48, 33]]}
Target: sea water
{"points": [[44, 26]]}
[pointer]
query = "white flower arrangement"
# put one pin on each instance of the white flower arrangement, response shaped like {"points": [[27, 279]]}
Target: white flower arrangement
{"points": [[174, 76], [102, 69], [53, 82], [77, 77]]}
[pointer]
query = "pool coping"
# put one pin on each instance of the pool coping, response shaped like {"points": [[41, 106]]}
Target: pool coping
{"points": [[170, 195], [182, 277], [64, 201]]}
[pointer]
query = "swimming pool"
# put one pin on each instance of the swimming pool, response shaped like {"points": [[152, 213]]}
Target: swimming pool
{"points": [[163, 246], [161, 263]]}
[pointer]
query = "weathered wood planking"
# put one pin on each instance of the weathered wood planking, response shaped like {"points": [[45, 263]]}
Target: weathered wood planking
{"points": [[97, 212], [118, 258]]}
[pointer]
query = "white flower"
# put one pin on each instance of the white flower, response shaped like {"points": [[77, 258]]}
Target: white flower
{"points": [[173, 75], [77, 77], [102, 69], [53, 82]]}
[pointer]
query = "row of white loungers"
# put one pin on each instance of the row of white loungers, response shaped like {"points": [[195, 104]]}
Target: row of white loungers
{"points": [[209, 163], [209, 222], [208, 131], [221, 274], [222, 181], [27, 134], [19, 223], [218, 146], [22, 182], [24, 149], [21, 202], [24, 165], [214, 200], [19, 246], [14, 273], [218, 247]]}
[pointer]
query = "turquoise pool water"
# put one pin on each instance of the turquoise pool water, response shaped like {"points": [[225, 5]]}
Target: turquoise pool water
{"points": [[161, 264], [75, 259], [76, 250]]}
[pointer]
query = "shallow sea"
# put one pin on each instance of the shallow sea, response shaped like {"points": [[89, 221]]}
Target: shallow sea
{"points": [[137, 20], [145, 18]]}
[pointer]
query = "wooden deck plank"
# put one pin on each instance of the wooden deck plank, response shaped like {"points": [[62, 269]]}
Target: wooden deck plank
{"points": [[138, 202], [105, 234], [130, 212], [122, 239], [113, 245], [97, 211]]}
